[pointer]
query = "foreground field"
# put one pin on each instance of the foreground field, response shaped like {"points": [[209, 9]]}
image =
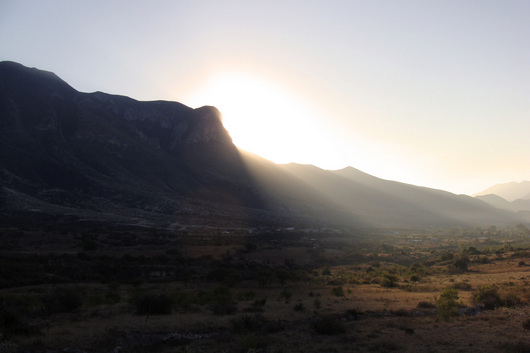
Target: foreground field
{"points": [[289, 292]]}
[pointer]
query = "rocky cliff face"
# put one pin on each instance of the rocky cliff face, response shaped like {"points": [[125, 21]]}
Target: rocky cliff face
{"points": [[65, 148], [95, 155]]}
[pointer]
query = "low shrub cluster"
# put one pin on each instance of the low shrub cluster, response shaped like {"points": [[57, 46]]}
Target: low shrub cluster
{"points": [[462, 286], [488, 296], [248, 323], [491, 298], [426, 305], [327, 325], [153, 304], [447, 304], [7, 346], [285, 295], [337, 291], [299, 307]]}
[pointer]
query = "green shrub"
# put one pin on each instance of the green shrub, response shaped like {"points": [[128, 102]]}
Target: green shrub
{"points": [[462, 286], [7, 346], [10, 320], [317, 303], [260, 302], [415, 278], [248, 323], [182, 300], [489, 296], [16, 313], [384, 345], [153, 304], [426, 305], [299, 307], [461, 265], [388, 280], [229, 277], [327, 325], [326, 271], [248, 295], [252, 343], [447, 304], [282, 276], [224, 308], [447, 256], [286, 295], [337, 291], [112, 297], [484, 260], [265, 277], [61, 300], [220, 301], [515, 347], [510, 299]]}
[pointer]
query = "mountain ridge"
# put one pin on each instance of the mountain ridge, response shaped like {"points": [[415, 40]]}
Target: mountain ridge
{"points": [[510, 191], [160, 162]]}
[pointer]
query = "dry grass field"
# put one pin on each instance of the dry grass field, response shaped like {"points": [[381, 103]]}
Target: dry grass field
{"points": [[280, 293]]}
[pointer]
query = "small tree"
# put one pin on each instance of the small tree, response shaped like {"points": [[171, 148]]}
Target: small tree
{"points": [[388, 280], [489, 296], [282, 276], [337, 291], [461, 265], [447, 304], [447, 256]]}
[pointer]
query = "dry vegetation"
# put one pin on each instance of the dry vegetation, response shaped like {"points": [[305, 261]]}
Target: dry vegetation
{"points": [[102, 290]]}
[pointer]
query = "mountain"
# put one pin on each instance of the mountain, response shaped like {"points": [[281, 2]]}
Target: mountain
{"points": [[509, 191], [503, 204], [392, 204], [65, 151], [68, 156]]}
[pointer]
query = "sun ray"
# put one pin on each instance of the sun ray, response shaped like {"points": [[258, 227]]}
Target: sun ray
{"points": [[264, 118]]}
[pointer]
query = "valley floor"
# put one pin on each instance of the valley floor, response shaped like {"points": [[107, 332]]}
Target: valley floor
{"points": [[271, 293]]}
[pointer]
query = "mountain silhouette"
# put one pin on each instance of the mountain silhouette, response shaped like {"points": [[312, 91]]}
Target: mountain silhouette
{"points": [[112, 154], [509, 191], [73, 155], [498, 202]]}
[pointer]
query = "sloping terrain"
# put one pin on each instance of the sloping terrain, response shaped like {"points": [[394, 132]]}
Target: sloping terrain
{"points": [[61, 149], [509, 191], [498, 202], [101, 156], [390, 204]]}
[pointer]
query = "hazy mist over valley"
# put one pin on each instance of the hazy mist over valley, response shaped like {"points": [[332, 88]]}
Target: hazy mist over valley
{"points": [[144, 223], [264, 177]]}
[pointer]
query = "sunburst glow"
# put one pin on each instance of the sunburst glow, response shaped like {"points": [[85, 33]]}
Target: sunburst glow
{"points": [[265, 118]]}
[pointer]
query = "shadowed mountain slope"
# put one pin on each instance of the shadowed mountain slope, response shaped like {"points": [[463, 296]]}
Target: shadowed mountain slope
{"points": [[390, 204], [106, 153], [95, 155]]}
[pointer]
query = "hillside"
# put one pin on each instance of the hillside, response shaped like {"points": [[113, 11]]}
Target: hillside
{"points": [[62, 151], [509, 191], [70, 155]]}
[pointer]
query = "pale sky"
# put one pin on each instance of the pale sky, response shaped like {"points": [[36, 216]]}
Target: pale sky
{"points": [[431, 93]]}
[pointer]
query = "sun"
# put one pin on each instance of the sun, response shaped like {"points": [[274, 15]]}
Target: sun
{"points": [[265, 118]]}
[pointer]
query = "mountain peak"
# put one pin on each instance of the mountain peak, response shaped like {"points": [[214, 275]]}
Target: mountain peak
{"points": [[23, 74], [510, 191], [87, 146], [101, 155]]}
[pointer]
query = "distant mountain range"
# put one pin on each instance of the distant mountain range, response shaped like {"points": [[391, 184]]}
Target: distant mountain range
{"points": [[509, 191], [75, 156], [512, 196]]}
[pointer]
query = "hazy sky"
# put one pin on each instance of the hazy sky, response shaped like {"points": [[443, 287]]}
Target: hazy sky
{"points": [[432, 93]]}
